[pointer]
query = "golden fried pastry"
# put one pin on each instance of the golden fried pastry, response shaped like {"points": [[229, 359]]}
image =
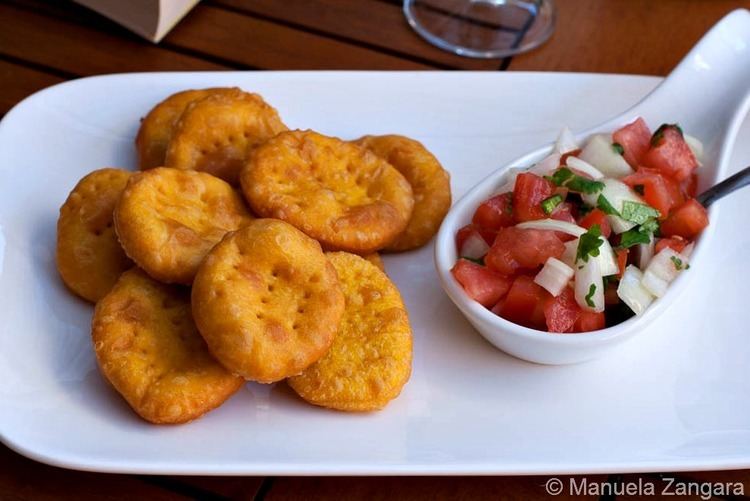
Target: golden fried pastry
{"points": [[374, 258], [156, 128], [429, 181], [147, 346], [168, 219], [267, 301], [89, 257], [343, 195], [215, 134], [370, 360]]}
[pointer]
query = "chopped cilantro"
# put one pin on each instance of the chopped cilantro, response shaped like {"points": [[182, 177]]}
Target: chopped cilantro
{"points": [[677, 262], [618, 148], [583, 185], [549, 204], [638, 213], [566, 177], [590, 295], [639, 235], [589, 243], [651, 226], [639, 188], [659, 134], [561, 176], [634, 237], [605, 206], [479, 261]]}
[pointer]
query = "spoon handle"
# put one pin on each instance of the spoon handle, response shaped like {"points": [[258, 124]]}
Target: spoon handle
{"points": [[724, 188]]}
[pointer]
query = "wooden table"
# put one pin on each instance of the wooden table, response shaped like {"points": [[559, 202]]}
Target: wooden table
{"points": [[43, 43]]}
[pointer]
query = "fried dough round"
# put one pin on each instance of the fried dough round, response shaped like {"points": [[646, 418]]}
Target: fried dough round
{"points": [[370, 360], [168, 219], [429, 181], [375, 259], [341, 194], [215, 134], [148, 347], [156, 127], [267, 301], [89, 257]]}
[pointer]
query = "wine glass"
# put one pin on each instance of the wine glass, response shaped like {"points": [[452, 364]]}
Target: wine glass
{"points": [[482, 28]]}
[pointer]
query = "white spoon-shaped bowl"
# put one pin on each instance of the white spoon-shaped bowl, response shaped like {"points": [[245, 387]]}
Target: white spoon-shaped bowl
{"points": [[708, 94]]}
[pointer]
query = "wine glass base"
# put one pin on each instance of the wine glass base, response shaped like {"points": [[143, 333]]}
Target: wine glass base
{"points": [[482, 28]]}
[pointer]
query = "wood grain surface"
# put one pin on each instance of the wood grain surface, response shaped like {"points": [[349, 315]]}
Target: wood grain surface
{"points": [[44, 42]]}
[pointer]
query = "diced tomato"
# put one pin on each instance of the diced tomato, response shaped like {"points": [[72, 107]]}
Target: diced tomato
{"points": [[498, 307], [529, 192], [689, 186], [687, 221], [659, 191], [671, 154], [597, 216], [481, 284], [464, 233], [524, 303], [622, 260], [635, 139], [516, 248], [495, 213], [676, 243], [561, 312], [572, 153], [564, 212], [488, 235], [589, 321], [537, 316]]}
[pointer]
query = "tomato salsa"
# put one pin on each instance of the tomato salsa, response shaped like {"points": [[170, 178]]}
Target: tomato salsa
{"points": [[590, 235]]}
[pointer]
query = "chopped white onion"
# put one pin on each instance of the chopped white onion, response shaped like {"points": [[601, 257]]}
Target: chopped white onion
{"points": [[632, 293], [667, 264], [616, 192], [645, 253], [655, 285], [584, 167], [587, 274], [569, 255], [599, 153], [554, 225], [607, 259], [474, 246], [546, 165], [662, 270], [695, 146], [554, 276], [565, 141], [619, 225]]}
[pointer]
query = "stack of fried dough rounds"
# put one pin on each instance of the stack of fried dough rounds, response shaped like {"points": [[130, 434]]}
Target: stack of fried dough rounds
{"points": [[245, 251]]}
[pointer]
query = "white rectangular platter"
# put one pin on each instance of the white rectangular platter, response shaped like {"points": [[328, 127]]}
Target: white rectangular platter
{"points": [[675, 398]]}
